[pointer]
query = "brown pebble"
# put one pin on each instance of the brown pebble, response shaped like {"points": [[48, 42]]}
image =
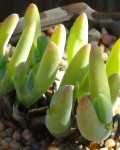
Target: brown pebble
{"points": [[50, 31], [110, 143], [110, 148], [56, 143], [94, 145], [107, 39], [53, 147], [17, 136]]}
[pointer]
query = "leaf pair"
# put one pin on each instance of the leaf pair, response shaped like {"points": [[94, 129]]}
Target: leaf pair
{"points": [[39, 78], [94, 116], [20, 54]]}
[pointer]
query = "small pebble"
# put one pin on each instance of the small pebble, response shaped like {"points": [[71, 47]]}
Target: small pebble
{"points": [[27, 135], [53, 147], [104, 31], [110, 143], [102, 48], [94, 145], [17, 136], [94, 35], [5, 144], [106, 39], [15, 145], [104, 148], [110, 148], [36, 146], [50, 31], [117, 146], [104, 56]]}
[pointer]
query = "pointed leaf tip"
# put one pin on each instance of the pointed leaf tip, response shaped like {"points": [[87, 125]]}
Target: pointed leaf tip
{"points": [[83, 101], [113, 62]]}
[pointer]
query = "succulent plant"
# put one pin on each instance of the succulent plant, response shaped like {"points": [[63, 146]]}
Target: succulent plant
{"points": [[99, 108], [33, 84], [7, 69], [96, 87], [32, 14], [87, 82]]}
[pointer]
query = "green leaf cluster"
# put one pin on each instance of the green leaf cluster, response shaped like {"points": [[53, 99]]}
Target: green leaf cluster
{"points": [[34, 64], [96, 86]]}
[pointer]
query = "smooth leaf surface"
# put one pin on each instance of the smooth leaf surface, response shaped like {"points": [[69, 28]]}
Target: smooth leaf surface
{"points": [[32, 14], [113, 62], [78, 36], [88, 122], [20, 55], [59, 38], [103, 108], [74, 70], [114, 83], [98, 81], [58, 118], [6, 29]]}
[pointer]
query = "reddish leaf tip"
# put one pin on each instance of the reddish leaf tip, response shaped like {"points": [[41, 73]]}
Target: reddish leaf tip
{"points": [[83, 101]]}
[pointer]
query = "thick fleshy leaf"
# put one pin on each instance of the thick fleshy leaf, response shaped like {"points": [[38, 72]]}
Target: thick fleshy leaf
{"points": [[32, 14], [20, 78], [42, 43], [84, 85], [30, 82], [58, 118], [6, 29], [20, 55], [3, 65], [78, 36], [73, 74], [98, 81], [59, 38], [113, 62], [48, 69], [88, 122], [103, 108], [114, 83]]}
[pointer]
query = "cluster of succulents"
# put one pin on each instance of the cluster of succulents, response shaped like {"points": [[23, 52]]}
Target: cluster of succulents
{"points": [[88, 82]]}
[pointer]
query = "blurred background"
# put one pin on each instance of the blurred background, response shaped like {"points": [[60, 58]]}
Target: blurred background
{"points": [[19, 6]]}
